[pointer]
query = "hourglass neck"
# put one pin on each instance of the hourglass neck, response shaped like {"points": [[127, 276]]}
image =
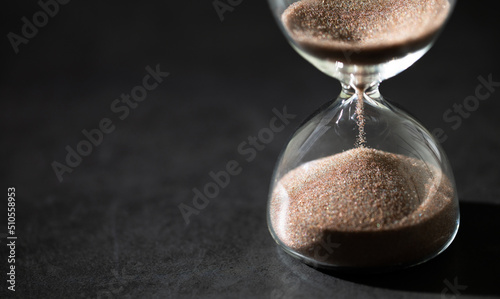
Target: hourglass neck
{"points": [[370, 90]]}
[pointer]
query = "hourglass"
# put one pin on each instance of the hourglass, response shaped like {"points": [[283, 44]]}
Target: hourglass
{"points": [[361, 184]]}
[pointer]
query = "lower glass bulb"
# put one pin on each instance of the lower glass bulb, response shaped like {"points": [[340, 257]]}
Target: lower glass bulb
{"points": [[361, 184]]}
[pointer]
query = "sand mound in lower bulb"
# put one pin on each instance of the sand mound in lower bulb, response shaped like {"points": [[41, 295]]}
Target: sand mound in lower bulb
{"points": [[364, 208]]}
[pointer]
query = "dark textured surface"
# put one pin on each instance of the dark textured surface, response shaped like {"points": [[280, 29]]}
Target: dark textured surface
{"points": [[112, 227]]}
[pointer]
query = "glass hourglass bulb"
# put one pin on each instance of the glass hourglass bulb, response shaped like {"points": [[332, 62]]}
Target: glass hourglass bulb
{"points": [[361, 184]]}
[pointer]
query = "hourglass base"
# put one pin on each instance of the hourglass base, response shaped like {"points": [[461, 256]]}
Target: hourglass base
{"points": [[320, 263]]}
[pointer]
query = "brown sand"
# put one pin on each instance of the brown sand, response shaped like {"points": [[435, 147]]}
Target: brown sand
{"points": [[364, 208], [364, 32], [360, 119]]}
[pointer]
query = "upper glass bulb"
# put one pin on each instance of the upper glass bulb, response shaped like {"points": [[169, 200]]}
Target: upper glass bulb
{"points": [[361, 42]]}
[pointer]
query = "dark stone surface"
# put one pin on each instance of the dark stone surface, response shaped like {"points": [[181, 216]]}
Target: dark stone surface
{"points": [[112, 228]]}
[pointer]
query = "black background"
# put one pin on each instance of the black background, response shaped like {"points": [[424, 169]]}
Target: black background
{"points": [[112, 228]]}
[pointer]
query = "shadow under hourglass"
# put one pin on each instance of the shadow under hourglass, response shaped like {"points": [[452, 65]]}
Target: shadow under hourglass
{"points": [[471, 265]]}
